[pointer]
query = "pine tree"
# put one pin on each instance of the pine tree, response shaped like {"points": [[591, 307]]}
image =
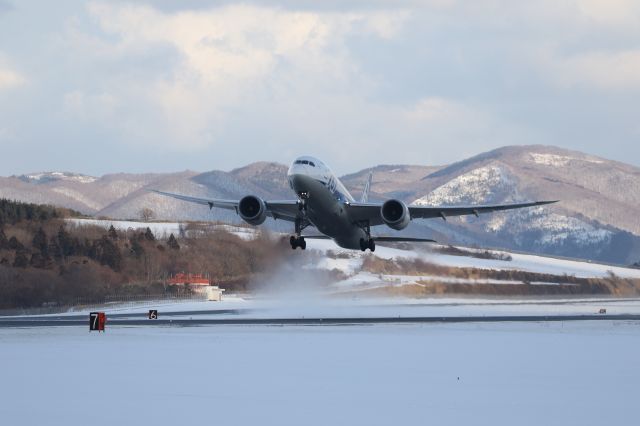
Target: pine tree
{"points": [[112, 233], [173, 243], [20, 260], [14, 244], [70, 246], [55, 249], [37, 260], [4, 242], [136, 248], [148, 235], [39, 242], [106, 252]]}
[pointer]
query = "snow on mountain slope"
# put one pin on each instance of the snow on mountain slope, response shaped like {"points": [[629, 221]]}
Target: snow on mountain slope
{"points": [[78, 196], [558, 160], [478, 186], [536, 173], [553, 228], [44, 177]]}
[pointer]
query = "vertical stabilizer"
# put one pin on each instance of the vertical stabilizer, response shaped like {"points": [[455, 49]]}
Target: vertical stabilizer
{"points": [[367, 186]]}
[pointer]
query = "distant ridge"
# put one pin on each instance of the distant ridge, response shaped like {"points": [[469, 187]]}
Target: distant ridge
{"points": [[597, 217]]}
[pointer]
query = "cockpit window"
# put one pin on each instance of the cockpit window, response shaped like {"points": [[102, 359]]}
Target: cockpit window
{"points": [[311, 164], [305, 162]]}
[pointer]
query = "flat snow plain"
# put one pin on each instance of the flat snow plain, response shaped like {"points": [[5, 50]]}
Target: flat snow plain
{"points": [[446, 374], [508, 373]]}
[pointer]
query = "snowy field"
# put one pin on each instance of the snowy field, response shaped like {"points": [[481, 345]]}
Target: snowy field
{"points": [[159, 229], [482, 374]]}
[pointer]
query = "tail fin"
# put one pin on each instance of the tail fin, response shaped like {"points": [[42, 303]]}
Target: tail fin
{"points": [[365, 191]]}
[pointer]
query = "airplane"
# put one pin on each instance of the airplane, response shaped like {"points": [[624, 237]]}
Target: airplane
{"points": [[324, 203]]}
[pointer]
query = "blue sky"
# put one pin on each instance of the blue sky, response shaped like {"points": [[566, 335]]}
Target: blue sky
{"points": [[100, 87]]}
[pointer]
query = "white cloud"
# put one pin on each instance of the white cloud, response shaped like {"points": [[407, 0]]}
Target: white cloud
{"points": [[9, 78], [428, 81], [613, 13], [601, 70], [228, 58]]}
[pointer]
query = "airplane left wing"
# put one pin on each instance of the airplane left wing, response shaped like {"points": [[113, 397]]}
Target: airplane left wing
{"points": [[371, 211], [284, 210], [421, 212]]}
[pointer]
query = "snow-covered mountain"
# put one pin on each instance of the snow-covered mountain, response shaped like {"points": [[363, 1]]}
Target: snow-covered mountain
{"points": [[597, 217]]}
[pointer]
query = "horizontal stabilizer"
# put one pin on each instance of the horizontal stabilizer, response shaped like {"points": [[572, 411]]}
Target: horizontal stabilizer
{"points": [[379, 239], [404, 239]]}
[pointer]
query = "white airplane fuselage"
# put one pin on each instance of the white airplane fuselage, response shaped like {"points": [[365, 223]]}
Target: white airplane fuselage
{"points": [[326, 200]]}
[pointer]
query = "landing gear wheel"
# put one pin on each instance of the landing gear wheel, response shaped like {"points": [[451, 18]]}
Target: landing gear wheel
{"points": [[367, 244], [297, 242]]}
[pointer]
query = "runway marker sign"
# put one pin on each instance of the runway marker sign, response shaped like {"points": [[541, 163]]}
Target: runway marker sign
{"points": [[97, 321], [153, 314]]}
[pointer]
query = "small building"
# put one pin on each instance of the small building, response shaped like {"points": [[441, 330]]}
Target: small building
{"points": [[214, 293], [198, 283], [182, 278]]}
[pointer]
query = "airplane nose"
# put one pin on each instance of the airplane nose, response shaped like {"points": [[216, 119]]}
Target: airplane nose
{"points": [[296, 169], [296, 179]]}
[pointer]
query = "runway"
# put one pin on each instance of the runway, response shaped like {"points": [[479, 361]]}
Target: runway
{"points": [[141, 320]]}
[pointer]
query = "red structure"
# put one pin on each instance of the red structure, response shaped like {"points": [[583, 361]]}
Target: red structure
{"points": [[190, 279], [97, 321]]}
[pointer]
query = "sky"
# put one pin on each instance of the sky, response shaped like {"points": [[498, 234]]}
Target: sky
{"points": [[101, 87]]}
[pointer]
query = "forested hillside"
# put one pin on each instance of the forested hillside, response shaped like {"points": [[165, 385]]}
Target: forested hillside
{"points": [[46, 261]]}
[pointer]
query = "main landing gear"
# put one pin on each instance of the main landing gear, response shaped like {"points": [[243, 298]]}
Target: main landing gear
{"points": [[298, 240], [367, 244]]}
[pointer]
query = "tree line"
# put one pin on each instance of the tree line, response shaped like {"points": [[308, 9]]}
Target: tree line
{"points": [[45, 260]]}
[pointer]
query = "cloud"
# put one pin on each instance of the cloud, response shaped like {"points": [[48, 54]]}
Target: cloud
{"points": [[9, 78], [612, 13], [218, 84], [225, 59], [597, 70]]}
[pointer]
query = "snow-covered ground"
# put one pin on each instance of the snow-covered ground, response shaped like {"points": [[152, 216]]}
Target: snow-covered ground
{"points": [[535, 263], [480, 374], [159, 229], [318, 304], [519, 262]]}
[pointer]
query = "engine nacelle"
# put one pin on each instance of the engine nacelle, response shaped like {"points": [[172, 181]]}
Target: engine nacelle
{"points": [[252, 210], [395, 214]]}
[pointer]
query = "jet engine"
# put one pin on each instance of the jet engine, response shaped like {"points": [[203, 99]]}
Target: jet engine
{"points": [[395, 214], [252, 210]]}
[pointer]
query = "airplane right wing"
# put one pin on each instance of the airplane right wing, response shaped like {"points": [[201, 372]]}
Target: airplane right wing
{"points": [[211, 202], [284, 210]]}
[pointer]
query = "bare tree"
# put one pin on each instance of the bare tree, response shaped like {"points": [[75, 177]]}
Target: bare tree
{"points": [[146, 214]]}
